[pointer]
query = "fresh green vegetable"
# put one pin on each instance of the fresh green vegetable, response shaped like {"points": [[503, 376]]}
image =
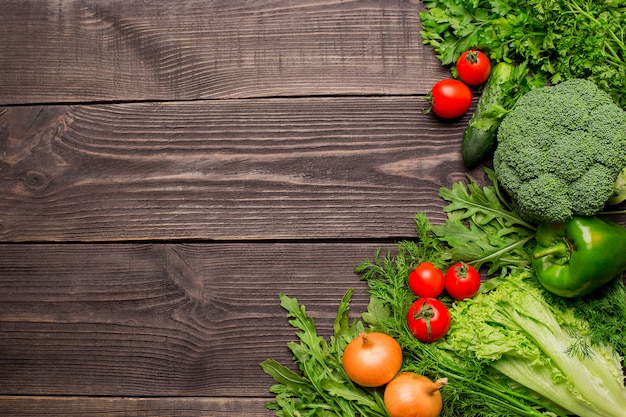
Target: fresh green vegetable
{"points": [[558, 39], [323, 389], [548, 350], [482, 229], [576, 258], [480, 136], [560, 151], [605, 311]]}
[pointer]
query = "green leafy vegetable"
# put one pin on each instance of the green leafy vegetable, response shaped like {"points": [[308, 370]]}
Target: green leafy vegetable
{"points": [[605, 311], [558, 39], [541, 347], [482, 229], [323, 389]]}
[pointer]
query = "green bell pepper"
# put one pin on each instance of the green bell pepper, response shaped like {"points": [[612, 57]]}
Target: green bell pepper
{"points": [[575, 258]]}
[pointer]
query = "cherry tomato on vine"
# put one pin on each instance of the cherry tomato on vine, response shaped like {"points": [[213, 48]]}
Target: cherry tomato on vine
{"points": [[426, 280], [473, 67], [428, 319], [462, 281], [450, 98]]}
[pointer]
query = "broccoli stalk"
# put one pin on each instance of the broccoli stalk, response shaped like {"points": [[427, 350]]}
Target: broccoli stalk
{"points": [[619, 189]]}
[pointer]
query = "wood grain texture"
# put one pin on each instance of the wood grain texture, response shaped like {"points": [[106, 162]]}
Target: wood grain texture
{"points": [[102, 50], [168, 167], [165, 320], [284, 168], [16, 406]]}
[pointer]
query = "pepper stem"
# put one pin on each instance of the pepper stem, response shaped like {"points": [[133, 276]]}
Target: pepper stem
{"points": [[560, 249]]}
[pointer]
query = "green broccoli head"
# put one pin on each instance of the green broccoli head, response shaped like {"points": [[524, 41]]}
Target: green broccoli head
{"points": [[560, 151]]}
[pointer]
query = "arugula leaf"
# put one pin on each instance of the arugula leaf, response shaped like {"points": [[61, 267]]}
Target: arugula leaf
{"points": [[283, 374], [481, 229], [377, 312], [322, 389]]}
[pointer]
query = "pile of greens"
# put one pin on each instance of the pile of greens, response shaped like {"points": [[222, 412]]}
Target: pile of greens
{"points": [[506, 345], [514, 334], [556, 39], [514, 349]]}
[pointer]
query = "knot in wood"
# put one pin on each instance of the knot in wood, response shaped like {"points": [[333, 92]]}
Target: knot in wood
{"points": [[35, 180]]}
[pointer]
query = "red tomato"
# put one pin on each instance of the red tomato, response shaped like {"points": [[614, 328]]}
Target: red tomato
{"points": [[462, 281], [428, 319], [473, 67], [450, 98], [426, 280]]}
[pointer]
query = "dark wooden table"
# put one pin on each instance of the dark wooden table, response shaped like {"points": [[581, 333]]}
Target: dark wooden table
{"points": [[168, 167]]}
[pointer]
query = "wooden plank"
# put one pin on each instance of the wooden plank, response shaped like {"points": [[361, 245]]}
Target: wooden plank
{"points": [[281, 168], [74, 51], [137, 320], [16, 406]]}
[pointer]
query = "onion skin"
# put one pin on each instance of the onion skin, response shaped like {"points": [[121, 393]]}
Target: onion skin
{"points": [[372, 359], [413, 395]]}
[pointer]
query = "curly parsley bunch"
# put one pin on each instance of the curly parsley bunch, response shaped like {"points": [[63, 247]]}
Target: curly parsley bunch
{"points": [[558, 39]]}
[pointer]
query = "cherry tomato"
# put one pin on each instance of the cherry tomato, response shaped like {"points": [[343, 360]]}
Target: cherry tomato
{"points": [[473, 67], [426, 280], [450, 98], [428, 319], [462, 281]]}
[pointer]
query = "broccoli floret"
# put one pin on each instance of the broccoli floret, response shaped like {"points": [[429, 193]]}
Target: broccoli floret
{"points": [[561, 150]]}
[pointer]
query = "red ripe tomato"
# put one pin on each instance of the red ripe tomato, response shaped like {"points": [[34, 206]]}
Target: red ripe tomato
{"points": [[462, 281], [426, 280], [428, 319], [450, 98], [473, 67]]}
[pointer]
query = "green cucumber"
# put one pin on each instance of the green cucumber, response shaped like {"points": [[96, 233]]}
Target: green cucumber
{"points": [[480, 136]]}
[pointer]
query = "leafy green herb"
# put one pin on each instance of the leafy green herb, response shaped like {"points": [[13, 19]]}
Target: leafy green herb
{"points": [[482, 229], [322, 389], [557, 39]]}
